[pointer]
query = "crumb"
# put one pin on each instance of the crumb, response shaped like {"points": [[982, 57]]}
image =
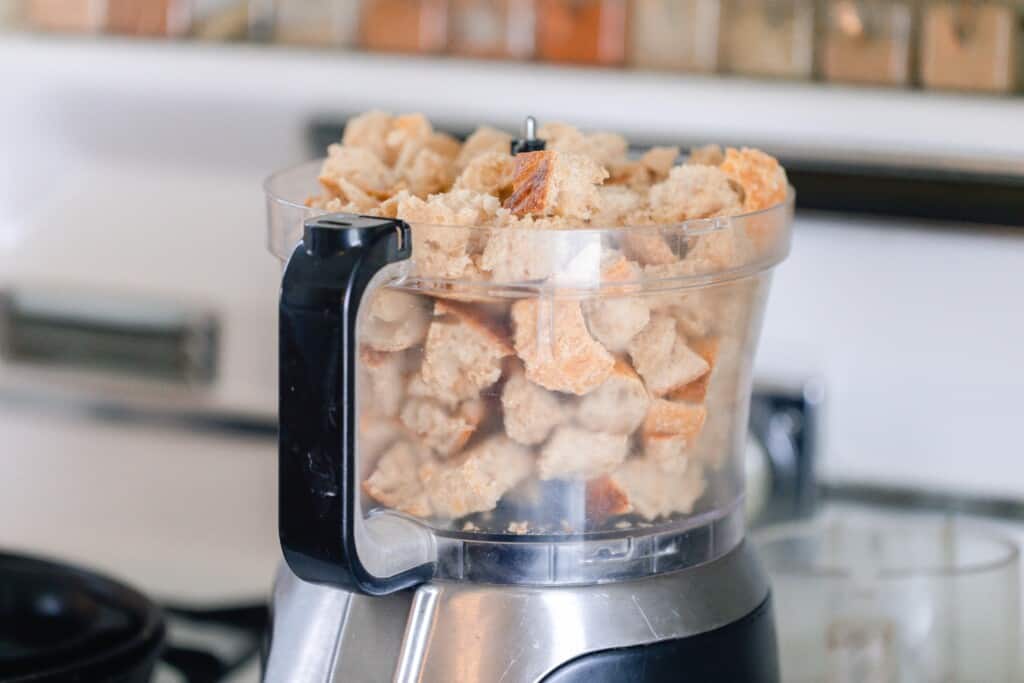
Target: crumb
{"points": [[518, 527]]}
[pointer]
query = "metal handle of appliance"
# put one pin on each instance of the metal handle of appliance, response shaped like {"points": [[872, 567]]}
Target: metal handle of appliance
{"points": [[141, 340], [323, 534]]}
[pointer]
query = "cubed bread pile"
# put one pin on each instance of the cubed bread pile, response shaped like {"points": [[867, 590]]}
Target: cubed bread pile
{"points": [[467, 398]]}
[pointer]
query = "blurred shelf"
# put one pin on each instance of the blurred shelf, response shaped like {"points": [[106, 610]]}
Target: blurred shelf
{"points": [[816, 121]]}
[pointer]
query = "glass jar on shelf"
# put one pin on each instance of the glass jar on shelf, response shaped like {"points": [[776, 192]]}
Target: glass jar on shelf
{"points": [[769, 37], [498, 29], [10, 14], [674, 34], [970, 45], [582, 31], [153, 18], [309, 22], [73, 16], [219, 20], [414, 26], [868, 41]]}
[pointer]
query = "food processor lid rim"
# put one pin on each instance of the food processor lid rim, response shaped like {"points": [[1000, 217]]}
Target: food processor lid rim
{"points": [[695, 226], [567, 289]]}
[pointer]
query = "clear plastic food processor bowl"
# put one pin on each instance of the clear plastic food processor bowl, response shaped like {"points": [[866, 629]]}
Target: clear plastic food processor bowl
{"points": [[572, 408]]}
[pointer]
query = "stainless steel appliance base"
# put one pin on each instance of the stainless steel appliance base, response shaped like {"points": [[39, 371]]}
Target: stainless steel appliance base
{"points": [[460, 632]]}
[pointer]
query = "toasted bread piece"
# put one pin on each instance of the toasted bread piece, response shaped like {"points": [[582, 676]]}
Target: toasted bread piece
{"points": [[445, 145], [395, 482], [549, 183], [659, 161], [692, 192], [619, 205], [417, 388], [554, 344], [616, 321], [530, 411], [605, 499], [354, 173], [408, 132], [696, 313], [394, 320], [670, 451], [442, 430], [375, 434], [463, 352], [662, 357], [517, 255], [653, 492], [477, 480], [607, 149], [649, 246], [618, 406], [674, 418], [489, 173], [440, 247], [483, 140], [369, 131], [639, 174], [573, 452], [697, 390], [762, 178], [385, 379], [707, 155], [424, 171]]}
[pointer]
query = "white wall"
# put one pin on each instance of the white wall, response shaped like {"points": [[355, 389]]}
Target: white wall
{"points": [[918, 331]]}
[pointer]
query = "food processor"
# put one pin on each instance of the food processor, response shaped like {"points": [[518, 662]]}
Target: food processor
{"points": [[524, 476]]}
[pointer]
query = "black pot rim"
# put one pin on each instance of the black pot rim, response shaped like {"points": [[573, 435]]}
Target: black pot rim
{"points": [[119, 657]]}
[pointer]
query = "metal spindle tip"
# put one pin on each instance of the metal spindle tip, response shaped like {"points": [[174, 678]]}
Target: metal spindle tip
{"points": [[530, 128]]}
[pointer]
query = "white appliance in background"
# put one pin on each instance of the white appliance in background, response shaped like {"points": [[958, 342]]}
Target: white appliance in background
{"points": [[134, 286]]}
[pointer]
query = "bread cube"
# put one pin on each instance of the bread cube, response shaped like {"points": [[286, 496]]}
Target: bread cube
{"points": [[572, 452], [463, 352], [530, 411], [394, 320], [556, 348], [618, 406], [477, 480], [662, 357]]}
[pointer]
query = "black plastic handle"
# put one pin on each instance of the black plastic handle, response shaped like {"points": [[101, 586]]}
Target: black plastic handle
{"points": [[324, 283]]}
